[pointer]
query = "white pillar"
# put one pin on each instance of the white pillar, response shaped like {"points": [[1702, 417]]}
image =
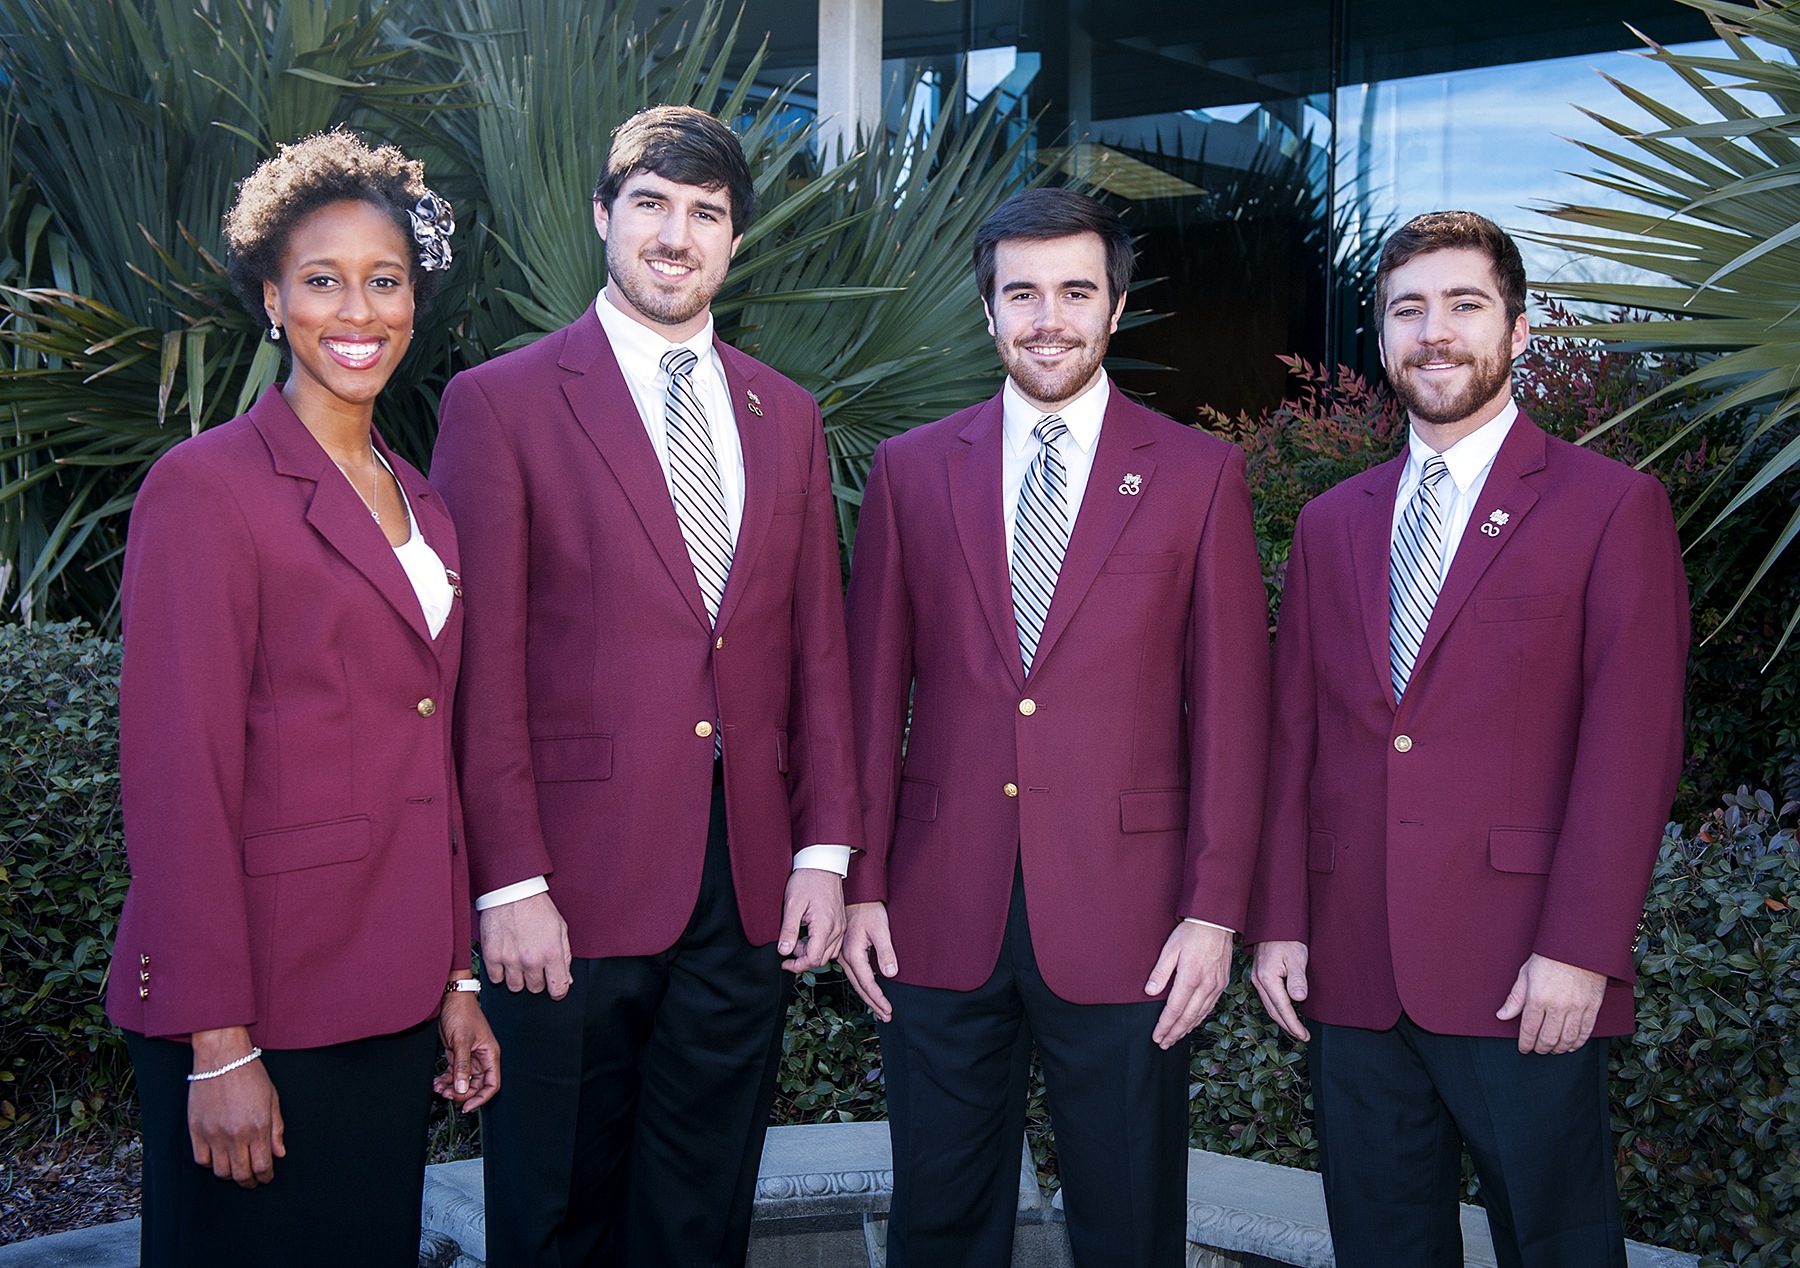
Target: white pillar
{"points": [[849, 75]]}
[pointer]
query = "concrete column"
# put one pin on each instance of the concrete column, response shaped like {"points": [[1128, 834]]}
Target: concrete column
{"points": [[849, 75]]}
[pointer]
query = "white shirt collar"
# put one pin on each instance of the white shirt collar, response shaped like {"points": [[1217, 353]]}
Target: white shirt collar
{"points": [[640, 349], [1082, 416], [1468, 457]]}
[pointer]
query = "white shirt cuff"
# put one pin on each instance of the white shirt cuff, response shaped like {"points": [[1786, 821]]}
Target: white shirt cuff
{"points": [[827, 858], [512, 893], [1195, 920]]}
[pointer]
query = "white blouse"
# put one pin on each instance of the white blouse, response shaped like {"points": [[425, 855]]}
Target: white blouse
{"points": [[423, 567]]}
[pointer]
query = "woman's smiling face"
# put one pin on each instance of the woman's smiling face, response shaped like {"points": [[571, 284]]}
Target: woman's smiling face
{"points": [[344, 301]]}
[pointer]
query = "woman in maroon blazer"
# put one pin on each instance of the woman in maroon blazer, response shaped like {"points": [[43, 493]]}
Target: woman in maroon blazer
{"points": [[297, 926]]}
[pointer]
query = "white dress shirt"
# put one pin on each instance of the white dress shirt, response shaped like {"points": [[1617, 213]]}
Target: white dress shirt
{"points": [[1469, 459], [639, 351], [1082, 416]]}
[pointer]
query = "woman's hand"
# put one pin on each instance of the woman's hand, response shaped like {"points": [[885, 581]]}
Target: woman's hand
{"points": [[471, 1050], [234, 1120]]}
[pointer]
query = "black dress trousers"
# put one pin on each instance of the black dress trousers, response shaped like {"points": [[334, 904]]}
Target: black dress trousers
{"points": [[631, 1124], [1394, 1109], [349, 1189], [956, 1065]]}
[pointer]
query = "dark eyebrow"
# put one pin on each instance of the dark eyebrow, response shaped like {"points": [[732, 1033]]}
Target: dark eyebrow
{"points": [[1480, 292], [325, 262], [661, 196], [1073, 284]]}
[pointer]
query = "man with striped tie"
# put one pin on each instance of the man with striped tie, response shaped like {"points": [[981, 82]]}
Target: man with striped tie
{"points": [[654, 732], [1060, 591], [1477, 734]]}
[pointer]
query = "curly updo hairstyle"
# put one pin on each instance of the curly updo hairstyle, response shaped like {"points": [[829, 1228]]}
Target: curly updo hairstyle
{"points": [[325, 168]]}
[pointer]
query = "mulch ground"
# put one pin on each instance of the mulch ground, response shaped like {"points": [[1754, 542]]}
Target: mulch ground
{"points": [[69, 1182]]}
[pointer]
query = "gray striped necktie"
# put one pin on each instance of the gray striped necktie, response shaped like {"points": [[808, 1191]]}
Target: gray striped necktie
{"points": [[1413, 578], [1040, 535], [694, 480]]}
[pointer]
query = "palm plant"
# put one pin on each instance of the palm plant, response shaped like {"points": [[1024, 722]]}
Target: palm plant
{"points": [[1721, 221], [131, 140], [122, 336]]}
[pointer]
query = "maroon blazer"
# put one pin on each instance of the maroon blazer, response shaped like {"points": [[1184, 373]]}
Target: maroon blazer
{"points": [[291, 811], [1514, 802], [1126, 772], [590, 662]]}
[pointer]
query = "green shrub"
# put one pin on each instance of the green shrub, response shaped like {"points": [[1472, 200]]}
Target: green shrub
{"points": [[1706, 1097], [62, 877]]}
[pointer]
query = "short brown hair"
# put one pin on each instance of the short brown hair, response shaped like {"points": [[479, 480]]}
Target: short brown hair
{"points": [[684, 145], [1041, 214], [1444, 230]]}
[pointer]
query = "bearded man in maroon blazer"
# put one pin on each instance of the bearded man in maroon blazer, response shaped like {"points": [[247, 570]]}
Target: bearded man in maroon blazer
{"points": [[1478, 701], [654, 728], [1061, 589]]}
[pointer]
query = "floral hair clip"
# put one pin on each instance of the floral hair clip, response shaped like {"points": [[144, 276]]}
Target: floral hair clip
{"points": [[432, 225]]}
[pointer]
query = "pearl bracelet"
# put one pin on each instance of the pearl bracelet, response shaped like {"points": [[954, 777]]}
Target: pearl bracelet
{"points": [[227, 1068]]}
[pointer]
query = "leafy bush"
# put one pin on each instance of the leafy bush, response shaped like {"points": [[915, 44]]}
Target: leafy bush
{"points": [[62, 877], [1706, 1097]]}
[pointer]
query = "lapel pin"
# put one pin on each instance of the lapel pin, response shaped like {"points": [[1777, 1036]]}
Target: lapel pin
{"points": [[455, 582], [1132, 483], [755, 402], [1495, 520]]}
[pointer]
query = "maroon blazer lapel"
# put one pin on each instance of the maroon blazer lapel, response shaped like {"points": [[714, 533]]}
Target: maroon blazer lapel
{"points": [[1506, 494], [335, 511], [974, 471], [1372, 548], [760, 441], [603, 406], [1105, 508]]}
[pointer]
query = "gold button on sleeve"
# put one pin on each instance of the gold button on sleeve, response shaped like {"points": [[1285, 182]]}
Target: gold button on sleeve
{"points": [[426, 707], [1403, 743], [703, 729], [1011, 790], [1028, 706]]}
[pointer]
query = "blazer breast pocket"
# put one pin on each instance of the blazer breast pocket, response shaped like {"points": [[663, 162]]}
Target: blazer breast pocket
{"points": [[790, 503], [309, 845], [1161, 561], [1528, 608]]}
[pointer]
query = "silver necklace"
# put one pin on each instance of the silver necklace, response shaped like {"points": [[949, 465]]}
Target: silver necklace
{"points": [[374, 483]]}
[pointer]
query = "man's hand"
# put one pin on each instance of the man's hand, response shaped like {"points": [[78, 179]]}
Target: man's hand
{"points": [[814, 898], [234, 1120], [1556, 1004], [472, 1052], [867, 936], [1278, 972], [1195, 965], [526, 945]]}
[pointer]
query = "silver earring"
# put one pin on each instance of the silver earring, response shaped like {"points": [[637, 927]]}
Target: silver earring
{"points": [[274, 333]]}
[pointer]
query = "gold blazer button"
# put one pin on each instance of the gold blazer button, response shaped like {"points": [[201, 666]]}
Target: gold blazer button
{"points": [[703, 729], [1403, 744], [1028, 706], [426, 707], [1011, 790]]}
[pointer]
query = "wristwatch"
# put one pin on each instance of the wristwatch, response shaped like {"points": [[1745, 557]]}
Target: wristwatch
{"points": [[472, 985]]}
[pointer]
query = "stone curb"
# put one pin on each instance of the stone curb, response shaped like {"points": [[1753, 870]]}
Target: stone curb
{"points": [[826, 1187]]}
